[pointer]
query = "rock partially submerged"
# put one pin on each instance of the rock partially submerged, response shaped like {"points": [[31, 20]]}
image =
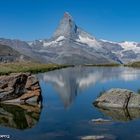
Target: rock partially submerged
{"points": [[118, 98], [19, 87]]}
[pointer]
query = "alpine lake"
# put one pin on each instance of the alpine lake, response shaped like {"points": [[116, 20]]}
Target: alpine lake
{"points": [[67, 108]]}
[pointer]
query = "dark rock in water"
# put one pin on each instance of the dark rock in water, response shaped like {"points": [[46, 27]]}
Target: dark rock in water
{"points": [[118, 98], [21, 87], [19, 116]]}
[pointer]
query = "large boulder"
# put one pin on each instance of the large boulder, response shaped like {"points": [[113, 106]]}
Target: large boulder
{"points": [[19, 87], [118, 98]]}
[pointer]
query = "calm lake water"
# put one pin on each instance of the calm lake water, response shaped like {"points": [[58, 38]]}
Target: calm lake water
{"points": [[67, 108]]}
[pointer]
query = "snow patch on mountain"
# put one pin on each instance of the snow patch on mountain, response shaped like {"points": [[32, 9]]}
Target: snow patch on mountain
{"points": [[126, 45], [30, 43], [90, 42], [58, 40], [130, 46], [107, 41]]}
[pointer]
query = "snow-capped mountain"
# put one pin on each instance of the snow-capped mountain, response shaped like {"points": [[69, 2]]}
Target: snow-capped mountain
{"points": [[69, 42], [72, 45]]}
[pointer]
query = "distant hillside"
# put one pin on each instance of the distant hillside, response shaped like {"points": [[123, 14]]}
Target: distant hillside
{"points": [[7, 54]]}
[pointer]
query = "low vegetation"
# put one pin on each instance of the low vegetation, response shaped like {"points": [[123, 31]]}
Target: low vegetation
{"points": [[133, 64], [104, 65], [7, 68]]}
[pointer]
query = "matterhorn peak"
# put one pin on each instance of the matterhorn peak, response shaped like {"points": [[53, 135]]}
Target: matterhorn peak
{"points": [[67, 15], [67, 27]]}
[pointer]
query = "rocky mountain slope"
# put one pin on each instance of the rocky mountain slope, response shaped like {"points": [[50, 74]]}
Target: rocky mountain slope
{"points": [[7, 54], [72, 45]]}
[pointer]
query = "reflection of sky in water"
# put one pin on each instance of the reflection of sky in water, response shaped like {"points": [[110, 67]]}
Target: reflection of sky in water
{"points": [[67, 105]]}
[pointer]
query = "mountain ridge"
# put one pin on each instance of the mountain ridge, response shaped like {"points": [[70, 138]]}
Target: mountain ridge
{"points": [[70, 44]]}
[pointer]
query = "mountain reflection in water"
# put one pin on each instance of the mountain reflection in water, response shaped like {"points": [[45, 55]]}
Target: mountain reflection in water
{"points": [[67, 109], [69, 82], [19, 116]]}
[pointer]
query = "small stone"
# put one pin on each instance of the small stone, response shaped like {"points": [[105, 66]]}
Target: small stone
{"points": [[92, 138], [99, 137], [100, 121]]}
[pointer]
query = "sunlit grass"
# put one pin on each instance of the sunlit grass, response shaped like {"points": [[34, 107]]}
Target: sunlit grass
{"points": [[7, 68]]}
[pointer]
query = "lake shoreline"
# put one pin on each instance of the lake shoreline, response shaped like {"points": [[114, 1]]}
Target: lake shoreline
{"points": [[34, 68]]}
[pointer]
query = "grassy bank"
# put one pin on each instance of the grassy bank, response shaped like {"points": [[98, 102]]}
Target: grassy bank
{"points": [[133, 64], [7, 68]]}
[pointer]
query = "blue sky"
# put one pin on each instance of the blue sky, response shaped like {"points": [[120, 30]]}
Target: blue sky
{"points": [[116, 20]]}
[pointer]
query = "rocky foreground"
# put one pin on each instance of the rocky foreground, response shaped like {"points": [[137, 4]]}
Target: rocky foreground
{"points": [[20, 88], [118, 98]]}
